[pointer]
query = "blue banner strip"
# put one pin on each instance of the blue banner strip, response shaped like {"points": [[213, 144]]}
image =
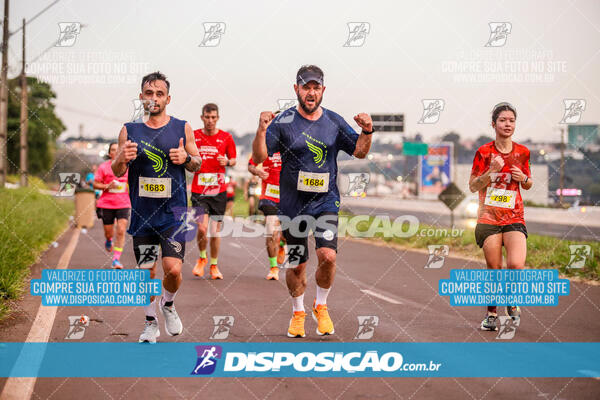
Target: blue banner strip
{"points": [[294, 359]]}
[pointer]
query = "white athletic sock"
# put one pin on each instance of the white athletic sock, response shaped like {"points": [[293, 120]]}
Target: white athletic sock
{"points": [[150, 310], [167, 296], [298, 303], [322, 295]]}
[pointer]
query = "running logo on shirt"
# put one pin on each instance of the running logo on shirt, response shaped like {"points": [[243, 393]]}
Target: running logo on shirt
{"points": [[318, 148], [158, 157]]}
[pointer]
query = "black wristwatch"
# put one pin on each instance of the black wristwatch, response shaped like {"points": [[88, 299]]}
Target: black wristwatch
{"points": [[368, 133], [187, 159]]}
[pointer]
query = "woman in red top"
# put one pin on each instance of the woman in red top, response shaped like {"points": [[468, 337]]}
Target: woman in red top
{"points": [[500, 169]]}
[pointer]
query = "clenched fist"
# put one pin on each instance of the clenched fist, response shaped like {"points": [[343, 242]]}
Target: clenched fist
{"points": [[364, 121], [517, 174], [223, 161], [497, 164], [265, 120]]}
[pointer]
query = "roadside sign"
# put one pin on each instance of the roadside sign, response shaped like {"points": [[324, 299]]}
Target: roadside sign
{"points": [[414, 149], [452, 196]]}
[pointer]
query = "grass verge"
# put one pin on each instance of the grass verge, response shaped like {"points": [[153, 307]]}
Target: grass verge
{"points": [[29, 222]]}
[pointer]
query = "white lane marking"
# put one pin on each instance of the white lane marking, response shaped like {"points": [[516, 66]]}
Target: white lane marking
{"points": [[237, 246], [380, 296], [22, 387]]}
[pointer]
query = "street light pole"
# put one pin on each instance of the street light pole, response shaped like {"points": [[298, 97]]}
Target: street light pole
{"points": [[562, 164], [4, 98], [24, 120]]}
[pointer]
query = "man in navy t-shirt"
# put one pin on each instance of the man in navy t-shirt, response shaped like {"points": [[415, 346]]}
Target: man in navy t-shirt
{"points": [[309, 138]]}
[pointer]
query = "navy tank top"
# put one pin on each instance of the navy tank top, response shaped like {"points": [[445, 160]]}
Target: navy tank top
{"points": [[156, 185]]}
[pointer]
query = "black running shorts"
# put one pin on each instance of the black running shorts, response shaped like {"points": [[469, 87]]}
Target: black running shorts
{"points": [[482, 231]]}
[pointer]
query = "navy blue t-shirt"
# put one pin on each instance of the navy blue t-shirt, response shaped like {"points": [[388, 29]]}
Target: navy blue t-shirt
{"points": [[309, 150]]}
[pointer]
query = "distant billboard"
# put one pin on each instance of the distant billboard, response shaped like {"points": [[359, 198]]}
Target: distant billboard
{"points": [[435, 169]]}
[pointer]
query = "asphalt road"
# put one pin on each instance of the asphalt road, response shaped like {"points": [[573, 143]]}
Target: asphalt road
{"points": [[401, 293]]}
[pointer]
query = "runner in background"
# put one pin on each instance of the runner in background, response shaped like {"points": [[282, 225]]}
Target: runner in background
{"points": [[209, 190], [231, 186], [500, 170], [113, 204], [268, 204], [252, 192]]}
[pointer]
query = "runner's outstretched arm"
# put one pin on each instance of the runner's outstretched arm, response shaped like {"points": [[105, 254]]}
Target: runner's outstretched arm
{"points": [[363, 144], [126, 152], [259, 145]]}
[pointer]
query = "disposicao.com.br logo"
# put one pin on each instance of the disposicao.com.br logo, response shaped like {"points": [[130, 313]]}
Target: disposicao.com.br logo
{"points": [[370, 361]]}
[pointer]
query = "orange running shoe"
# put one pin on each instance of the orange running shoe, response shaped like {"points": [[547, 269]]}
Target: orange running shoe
{"points": [[321, 317], [215, 273], [273, 274], [281, 255], [199, 268], [296, 328]]}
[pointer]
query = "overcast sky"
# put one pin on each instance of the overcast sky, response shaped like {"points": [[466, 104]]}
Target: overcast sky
{"points": [[412, 51]]}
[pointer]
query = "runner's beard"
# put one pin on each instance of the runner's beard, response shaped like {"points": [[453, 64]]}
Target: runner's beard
{"points": [[305, 107], [154, 113]]}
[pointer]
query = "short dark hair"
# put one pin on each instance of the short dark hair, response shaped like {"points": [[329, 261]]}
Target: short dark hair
{"points": [[312, 68], [107, 155], [155, 76], [209, 107], [504, 106]]}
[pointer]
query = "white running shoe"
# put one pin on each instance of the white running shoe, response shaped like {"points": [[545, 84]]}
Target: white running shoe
{"points": [[173, 324], [150, 332]]}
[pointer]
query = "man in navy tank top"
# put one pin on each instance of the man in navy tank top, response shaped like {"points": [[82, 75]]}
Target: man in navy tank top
{"points": [[157, 153]]}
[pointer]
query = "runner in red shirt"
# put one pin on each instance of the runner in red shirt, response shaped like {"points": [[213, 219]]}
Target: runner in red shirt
{"points": [[209, 189], [268, 204], [113, 204], [500, 169]]}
